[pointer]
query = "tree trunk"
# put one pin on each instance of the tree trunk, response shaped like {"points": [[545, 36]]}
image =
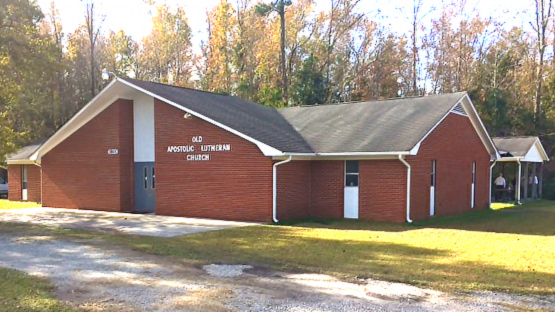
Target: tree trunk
{"points": [[93, 82], [283, 65], [414, 51]]}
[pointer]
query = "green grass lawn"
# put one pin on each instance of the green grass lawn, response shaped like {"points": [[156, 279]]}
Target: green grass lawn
{"points": [[7, 204], [21, 292], [508, 248]]}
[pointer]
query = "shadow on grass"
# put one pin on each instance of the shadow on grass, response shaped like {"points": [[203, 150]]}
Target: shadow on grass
{"points": [[293, 249], [361, 255], [534, 218]]}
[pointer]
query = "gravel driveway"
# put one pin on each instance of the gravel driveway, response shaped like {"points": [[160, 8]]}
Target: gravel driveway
{"points": [[98, 277], [126, 223]]}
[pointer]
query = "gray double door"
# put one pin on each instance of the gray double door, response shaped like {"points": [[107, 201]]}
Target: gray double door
{"points": [[145, 185]]}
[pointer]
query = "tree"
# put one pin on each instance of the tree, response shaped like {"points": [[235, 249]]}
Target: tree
{"points": [[26, 63], [310, 88], [121, 54], [166, 53], [279, 7], [543, 17], [93, 30]]}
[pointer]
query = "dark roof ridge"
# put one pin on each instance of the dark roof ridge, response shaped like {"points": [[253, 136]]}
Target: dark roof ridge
{"points": [[517, 137], [375, 101], [174, 86]]}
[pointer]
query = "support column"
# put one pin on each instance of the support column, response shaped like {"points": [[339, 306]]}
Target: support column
{"points": [[534, 186], [518, 182], [525, 198], [540, 181]]}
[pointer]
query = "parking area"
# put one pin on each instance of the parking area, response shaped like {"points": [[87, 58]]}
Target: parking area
{"points": [[148, 225]]}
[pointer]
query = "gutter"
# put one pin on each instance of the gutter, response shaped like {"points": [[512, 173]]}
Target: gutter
{"points": [[401, 159], [274, 187], [490, 180]]}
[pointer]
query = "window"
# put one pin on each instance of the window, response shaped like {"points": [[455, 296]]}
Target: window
{"points": [[473, 172], [24, 177], [433, 174], [351, 173], [473, 186], [145, 176], [153, 178]]}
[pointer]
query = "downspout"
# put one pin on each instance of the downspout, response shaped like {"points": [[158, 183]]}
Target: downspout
{"points": [[274, 187], [401, 159], [490, 180], [518, 181]]}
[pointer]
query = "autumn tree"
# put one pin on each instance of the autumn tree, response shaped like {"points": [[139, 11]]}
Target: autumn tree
{"points": [[279, 7], [542, 19], [166, 53]]}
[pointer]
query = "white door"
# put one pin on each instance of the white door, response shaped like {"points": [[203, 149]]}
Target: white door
{"points": [[24, 182], [351, 190], [433, 189]]}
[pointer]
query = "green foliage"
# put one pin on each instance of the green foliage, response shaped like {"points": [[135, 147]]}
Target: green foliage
{"points": [[270, 97], [309, 88]]}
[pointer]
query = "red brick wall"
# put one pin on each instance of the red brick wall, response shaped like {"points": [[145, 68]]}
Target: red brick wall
{"points": [[327, 178], [382, 190], [14, 182], [33, 182], [454, 144], [234, 185], [79, 172], [126, 157], [293, 190]]}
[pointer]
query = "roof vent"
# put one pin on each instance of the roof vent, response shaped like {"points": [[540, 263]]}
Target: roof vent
{"points": [[458, 109]]}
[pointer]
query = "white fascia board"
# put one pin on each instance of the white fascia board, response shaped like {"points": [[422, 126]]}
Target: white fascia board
{"points": [[509, 159], [346, 154], [264, 148], [20, 162], [65, 130], [363, 154], [455, 112], [539, 145], [416, 147], [414, 150], [490, 141]]}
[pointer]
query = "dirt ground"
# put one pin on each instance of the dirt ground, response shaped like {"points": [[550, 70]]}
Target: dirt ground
{"points": [[96, 276]]}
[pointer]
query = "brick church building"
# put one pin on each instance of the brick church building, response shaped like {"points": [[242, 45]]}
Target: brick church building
{"points": [[152, 148]]}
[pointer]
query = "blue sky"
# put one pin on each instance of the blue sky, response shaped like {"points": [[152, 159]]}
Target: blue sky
{"points": [[134, 16]]}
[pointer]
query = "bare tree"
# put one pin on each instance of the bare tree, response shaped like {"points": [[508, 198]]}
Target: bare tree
{"points": [[543, 16], [417, 18], [93, 31]]}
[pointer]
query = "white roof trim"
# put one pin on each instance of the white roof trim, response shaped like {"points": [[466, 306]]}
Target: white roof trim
{"points": [[86, 114], [20, 162], [361, 154], [264, 148], [541, 149], [60, 135], [536, 153], [473, 113], [482, 127]]}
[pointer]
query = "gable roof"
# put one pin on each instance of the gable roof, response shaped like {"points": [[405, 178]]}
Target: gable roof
{"points": [[379, 126], [520, 146], [23, 155], [367, 128], [259, 122]]}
